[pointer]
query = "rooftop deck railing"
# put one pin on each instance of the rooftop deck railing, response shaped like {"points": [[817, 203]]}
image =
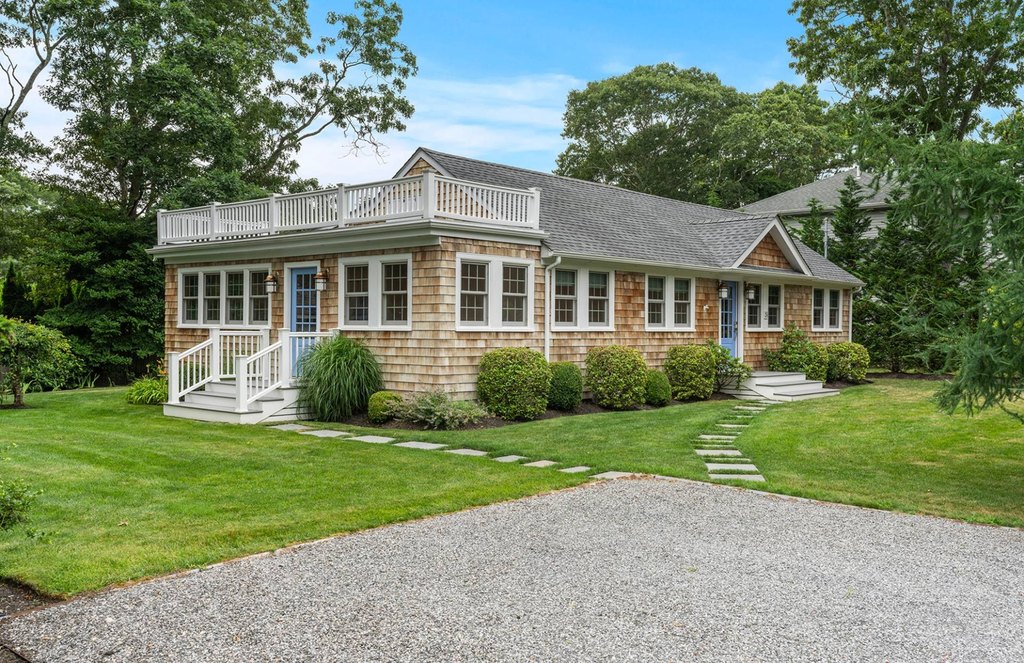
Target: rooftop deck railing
{"points": [[426, 196]]}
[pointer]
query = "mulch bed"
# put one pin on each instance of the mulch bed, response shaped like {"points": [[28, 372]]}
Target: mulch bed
{"points": [[586, 407], [911, 376]]}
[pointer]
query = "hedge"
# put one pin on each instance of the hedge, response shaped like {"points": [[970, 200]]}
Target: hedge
{"points": [[616, 377], [691, 370], [514, 383]]}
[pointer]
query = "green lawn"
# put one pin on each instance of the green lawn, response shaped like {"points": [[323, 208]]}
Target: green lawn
{"points": [[129, 493], [885, 445]]}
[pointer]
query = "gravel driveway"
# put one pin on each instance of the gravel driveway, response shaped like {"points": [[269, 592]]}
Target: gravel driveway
{"points": [[623, 570]]}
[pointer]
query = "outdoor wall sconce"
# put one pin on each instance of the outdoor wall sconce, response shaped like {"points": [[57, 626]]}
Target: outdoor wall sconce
{"points": [[751, 291], [723, 290], [270, 283], [321, 278]]}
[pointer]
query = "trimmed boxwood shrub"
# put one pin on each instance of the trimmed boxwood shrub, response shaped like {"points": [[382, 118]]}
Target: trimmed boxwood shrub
{"points": [[659, 391], [514, 383], [338, 378], [616, 377], [381, 407], [798, 354], [566, 392], [691, 370], [847, 361]]}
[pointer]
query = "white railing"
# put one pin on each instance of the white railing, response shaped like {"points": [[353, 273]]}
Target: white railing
{"points": [[232, 343], [425, 196], [259, 374], [189, 370]]}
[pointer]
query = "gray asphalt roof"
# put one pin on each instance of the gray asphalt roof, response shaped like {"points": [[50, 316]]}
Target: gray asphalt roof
{"points": [[825, 190], [604, 221]]}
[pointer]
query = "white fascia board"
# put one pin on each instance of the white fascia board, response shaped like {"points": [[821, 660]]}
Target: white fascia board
{"points": [[416, 156]]}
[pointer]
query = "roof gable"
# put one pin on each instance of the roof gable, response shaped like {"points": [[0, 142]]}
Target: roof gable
{"points": [[825, 191]]}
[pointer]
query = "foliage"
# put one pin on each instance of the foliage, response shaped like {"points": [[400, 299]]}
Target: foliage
{"points": [[691, 370], [33, 354], [798, 354], [15, 500], [919, 67], [682, 134], [338, 377], [849, 248], [730, 371], [100, 287], [436, 410], [847, 361], [161, 93], [658, 391], [566, 392], [147, 391], [380, 408], [616, 376], [514, 383], [15, 297], [812, 227]]}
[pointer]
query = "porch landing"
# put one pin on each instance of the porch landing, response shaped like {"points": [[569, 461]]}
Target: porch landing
{"points": [[780, 386]]}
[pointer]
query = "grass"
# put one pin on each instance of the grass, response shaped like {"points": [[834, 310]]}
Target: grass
{"points": [[885, 445], [648, 441], [128, 493]]}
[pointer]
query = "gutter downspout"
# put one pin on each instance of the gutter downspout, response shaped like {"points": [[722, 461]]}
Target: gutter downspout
{"points": [[548, 290]]}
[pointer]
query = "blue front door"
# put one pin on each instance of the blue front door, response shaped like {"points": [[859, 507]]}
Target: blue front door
{"points": [[727, 326], [304, 314]]}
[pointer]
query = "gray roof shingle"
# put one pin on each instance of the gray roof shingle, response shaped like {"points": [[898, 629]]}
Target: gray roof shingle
{"points": [[604, 221], [825, 191]]}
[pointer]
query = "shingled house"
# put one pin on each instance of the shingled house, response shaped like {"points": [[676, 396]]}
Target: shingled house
{"points": [[794, 205], [453, 257]]}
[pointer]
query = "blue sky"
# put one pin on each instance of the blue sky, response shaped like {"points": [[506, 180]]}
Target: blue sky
{"points": [[494, 75]]}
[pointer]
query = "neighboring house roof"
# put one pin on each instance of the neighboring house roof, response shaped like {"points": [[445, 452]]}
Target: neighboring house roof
{"points": [[583, 218], [825, 191]]}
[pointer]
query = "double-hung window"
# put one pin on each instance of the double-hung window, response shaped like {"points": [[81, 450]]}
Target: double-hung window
{"points": [[597, 299], [493, 292], [376, 292], [565, 297], [826, 309], [669, 303], [582, 299], [514, 296], [764, 311], [224, 296]]}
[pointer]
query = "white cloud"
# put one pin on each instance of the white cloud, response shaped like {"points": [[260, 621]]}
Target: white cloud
{"points": [[491, 119]]}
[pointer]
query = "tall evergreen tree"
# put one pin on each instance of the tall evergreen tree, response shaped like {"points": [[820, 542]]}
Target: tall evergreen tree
{"points": [[812, 229], [16, 301], [848, 247]]}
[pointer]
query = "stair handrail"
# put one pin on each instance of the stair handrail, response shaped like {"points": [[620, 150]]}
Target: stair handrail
{"points": [[175, 360], [246, 394]]}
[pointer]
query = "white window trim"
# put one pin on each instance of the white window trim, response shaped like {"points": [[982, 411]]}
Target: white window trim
{"points": [[494, 287], [223, 270], [763, 326], [670, 303], [826, 303], [583, 301], [375, 292]]}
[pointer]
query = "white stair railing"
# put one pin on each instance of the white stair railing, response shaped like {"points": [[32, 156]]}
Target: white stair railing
{"points": [[191, 369], [258, 375]]}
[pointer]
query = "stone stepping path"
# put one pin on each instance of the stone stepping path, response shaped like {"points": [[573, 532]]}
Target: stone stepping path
{"points": [[723, 460], [326, 433]]}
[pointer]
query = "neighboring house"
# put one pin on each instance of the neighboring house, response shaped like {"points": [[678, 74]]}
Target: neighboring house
{"points": [[793, 206], [454, 257]]}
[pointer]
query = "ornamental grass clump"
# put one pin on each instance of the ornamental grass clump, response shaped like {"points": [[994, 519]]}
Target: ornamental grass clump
{"points": [[147, 391], [514, 383], [566, 392], [338, 378], [617, 377]]}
